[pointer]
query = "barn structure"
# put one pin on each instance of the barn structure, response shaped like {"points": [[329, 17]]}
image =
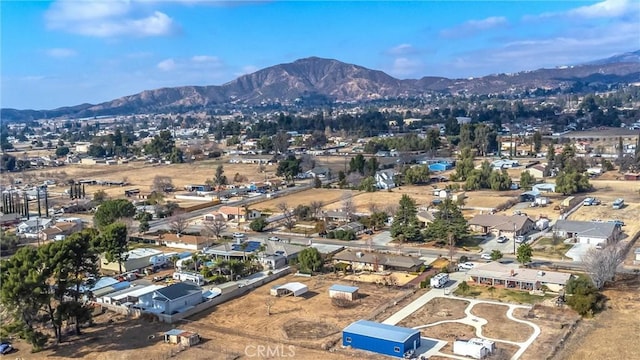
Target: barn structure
{"points": [[381, 338], [343, 292], [292, 288]]}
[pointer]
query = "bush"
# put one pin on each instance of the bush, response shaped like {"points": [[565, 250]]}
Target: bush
{"points": [[258, 224], [463, 259]]}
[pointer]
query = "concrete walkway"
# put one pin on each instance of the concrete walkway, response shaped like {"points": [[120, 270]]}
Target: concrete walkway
{"points": [[470, 319]]}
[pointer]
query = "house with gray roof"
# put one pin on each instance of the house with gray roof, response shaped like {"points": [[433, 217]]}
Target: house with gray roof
{"points": [[512, 277], [385, 179], [172, 299], [502, 224], [588, 232], [372, 261]]}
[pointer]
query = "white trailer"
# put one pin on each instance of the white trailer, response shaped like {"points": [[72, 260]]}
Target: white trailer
{"points": [[439, 280], [191, 277]]}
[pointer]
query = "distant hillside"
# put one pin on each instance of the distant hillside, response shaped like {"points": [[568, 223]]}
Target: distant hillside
{"points": [[337, 81]]}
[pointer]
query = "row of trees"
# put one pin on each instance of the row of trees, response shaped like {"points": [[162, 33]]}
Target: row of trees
{"points": [[449, 225], [44, 287]]}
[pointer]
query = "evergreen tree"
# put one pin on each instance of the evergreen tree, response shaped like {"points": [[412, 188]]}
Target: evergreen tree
{"points": [[405, 223]]}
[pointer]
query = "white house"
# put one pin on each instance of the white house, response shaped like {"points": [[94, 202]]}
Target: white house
{"points": [[32, 227], [239, 214], [385, 179]]}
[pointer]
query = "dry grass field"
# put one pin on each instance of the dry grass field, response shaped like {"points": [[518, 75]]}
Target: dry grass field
{"points": [[438, 309], [330, 197], [400, 277], [612, 334], [488, 198], [604, 212], [311, 320], [499, 326]]}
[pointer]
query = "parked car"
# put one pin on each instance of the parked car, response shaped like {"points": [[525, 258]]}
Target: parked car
{"points": [[485, 256], [274, 238], [466, 266], [600, 246], [520, 239], [238, 235], [5, 348], [502, 239]]}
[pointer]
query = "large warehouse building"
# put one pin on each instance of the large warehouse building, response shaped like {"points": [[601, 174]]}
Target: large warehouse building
{"points": [[380, 338]]}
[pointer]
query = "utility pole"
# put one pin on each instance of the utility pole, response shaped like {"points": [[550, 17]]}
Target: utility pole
{"points": [[514, 238]]}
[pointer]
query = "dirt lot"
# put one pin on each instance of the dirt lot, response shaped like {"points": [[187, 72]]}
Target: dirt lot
{"points": [[310, 320], [499, 326], [612, 334], [438, 309], [140, 175], [554, 323], [119, 339], [489, 199], [400, 277], [330, 197]]}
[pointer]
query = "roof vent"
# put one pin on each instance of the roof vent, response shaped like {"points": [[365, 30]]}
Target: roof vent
{"points": [[359, 254], [540, 273]]}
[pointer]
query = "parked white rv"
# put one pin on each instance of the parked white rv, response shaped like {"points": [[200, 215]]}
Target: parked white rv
{"points": [[191, 277], [439, 280]]}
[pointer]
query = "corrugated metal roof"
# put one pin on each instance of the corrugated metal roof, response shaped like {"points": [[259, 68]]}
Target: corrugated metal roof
{"points": [[380, 331], [344, 288]]}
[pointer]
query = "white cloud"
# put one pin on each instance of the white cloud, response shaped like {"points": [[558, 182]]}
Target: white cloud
{"points": [[575, 46], [472, 27], [402, 49], [166, 65], [204, 59], [603, 9], [107, 19], [61, 53]]}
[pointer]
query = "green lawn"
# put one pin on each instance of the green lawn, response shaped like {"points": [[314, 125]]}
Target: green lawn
{"points": [[501, 294]]}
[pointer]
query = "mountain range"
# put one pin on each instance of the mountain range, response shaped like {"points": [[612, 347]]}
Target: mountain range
{"points": [[332, 80]]}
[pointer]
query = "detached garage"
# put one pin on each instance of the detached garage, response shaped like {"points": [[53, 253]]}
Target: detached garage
{"points": [[343, 292], [292, 288], [380, 338]]}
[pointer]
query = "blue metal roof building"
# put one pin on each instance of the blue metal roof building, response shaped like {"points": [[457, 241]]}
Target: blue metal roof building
{"points": [[440, 166], [380, 338]]}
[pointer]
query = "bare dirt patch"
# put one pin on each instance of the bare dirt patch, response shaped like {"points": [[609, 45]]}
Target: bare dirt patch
{"points": [[449, 332], [330, 197], [438, 309], [554, 323], [112, 337], [247, 316], [499, 326]]}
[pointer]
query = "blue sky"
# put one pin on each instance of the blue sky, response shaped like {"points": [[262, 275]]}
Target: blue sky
{"points": [[63, 53]]}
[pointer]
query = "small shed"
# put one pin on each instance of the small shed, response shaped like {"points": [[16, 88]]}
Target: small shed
{"points": [[292, 288], [184, 338], [343, 292]]}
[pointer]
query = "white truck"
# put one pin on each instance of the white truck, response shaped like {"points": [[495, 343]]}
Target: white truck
{"points": [[439, 280]]}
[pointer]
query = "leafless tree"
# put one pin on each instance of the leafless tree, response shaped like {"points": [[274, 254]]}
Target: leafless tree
{"points": [[373, 208], [214, 228], [391, 209], [316, 206], [354, 179], [287, 213], [601, 264], [348, 206], [269, 302], [162, 183], [307, 162], [179, 222]]}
